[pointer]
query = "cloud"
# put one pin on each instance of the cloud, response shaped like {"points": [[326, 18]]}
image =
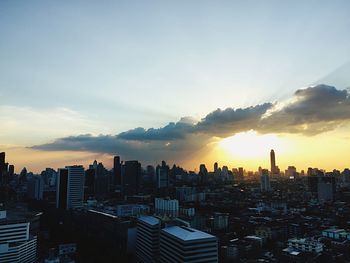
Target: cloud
{"points": [[309, 111]]}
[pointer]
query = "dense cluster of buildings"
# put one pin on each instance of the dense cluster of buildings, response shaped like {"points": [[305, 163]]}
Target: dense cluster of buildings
{"points": [[166, 214]]}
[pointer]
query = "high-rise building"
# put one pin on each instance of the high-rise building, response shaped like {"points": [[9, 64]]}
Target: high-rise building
{"points": [[70, 187], [2, 166], [265, 181], [273, 162], [147, 239], [216, 167], [162, 175], [36, 188], [117, 171], [16, 242], [184, 244], [131, 177]]}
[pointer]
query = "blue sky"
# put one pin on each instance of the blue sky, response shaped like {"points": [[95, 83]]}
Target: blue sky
{"points": [[109, 66]]}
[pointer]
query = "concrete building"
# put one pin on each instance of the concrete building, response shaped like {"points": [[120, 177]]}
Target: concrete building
{"points": [[36, 188], [184, 244], [304, 245], [265, 181], [166, 207], [132, 210], [70, 187], [147, 239], [16, 244]]}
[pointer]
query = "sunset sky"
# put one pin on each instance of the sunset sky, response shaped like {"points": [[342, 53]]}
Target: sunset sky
{"points": [[183, 81]]}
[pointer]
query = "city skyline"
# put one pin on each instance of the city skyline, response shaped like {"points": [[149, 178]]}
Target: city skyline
{"points": [[187, 83]]}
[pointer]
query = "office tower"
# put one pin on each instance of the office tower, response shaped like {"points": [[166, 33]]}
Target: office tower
{"points": [[131, 177], [166, 207], [184, 244], [117, 171], [265, 181], [147, 239], [16, 243], [162, 173], [36, 188], [326, 188], [101, 181], [70, 187], [273, 162], [150, 172], [216, 166], [240, 174], [89, 183], [2, 166], [11, 170]]}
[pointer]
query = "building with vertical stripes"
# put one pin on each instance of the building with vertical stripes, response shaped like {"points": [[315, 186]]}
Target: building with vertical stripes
{"points": [[70, 187]]}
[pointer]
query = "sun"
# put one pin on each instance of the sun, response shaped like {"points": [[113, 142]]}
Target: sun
{"points": [[250, 145]]}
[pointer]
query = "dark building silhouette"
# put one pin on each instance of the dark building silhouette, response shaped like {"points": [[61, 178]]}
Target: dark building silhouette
{"points": [[273, 161], [2, 166], [117, 171], [62, 188], [89, 187], [11, 170], [162, 173], [131, 177]]}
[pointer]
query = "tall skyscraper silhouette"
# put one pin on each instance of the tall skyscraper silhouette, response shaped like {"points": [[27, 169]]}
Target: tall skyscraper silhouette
{"points": [[117, 171], [273, 161], [2, 166], [131, 177]]}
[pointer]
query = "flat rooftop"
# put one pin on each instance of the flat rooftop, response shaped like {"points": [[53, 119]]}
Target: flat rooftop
{"points": [[150, 220], [186, 233]]}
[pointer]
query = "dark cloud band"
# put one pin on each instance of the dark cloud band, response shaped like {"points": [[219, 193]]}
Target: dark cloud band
{"points": [[310, 111]]}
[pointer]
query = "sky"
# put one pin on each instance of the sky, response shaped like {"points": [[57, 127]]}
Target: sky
{"points": [[186, 81]]}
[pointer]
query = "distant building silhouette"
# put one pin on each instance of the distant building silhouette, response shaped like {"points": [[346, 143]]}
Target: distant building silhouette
{"points": [[265, 181], [117, 171], [273, 162], [162, 173], [131, 177]]}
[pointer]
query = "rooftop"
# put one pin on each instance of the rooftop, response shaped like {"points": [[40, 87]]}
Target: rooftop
{"points": [[151, 220], [187, 233]]}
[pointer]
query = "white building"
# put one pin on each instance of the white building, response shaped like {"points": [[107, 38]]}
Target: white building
{"points": [[132, 210], [16, 244], [166, 207], [305, 245], [70, 187], [147, 239], [184, 244]]}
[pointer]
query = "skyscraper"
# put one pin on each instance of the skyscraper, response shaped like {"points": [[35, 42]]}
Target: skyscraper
{"points": [[131, 177], [265, 181], [273, 161], [70, 187], [216, 166], [162, 173], [117, 171], [2, 166]]}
